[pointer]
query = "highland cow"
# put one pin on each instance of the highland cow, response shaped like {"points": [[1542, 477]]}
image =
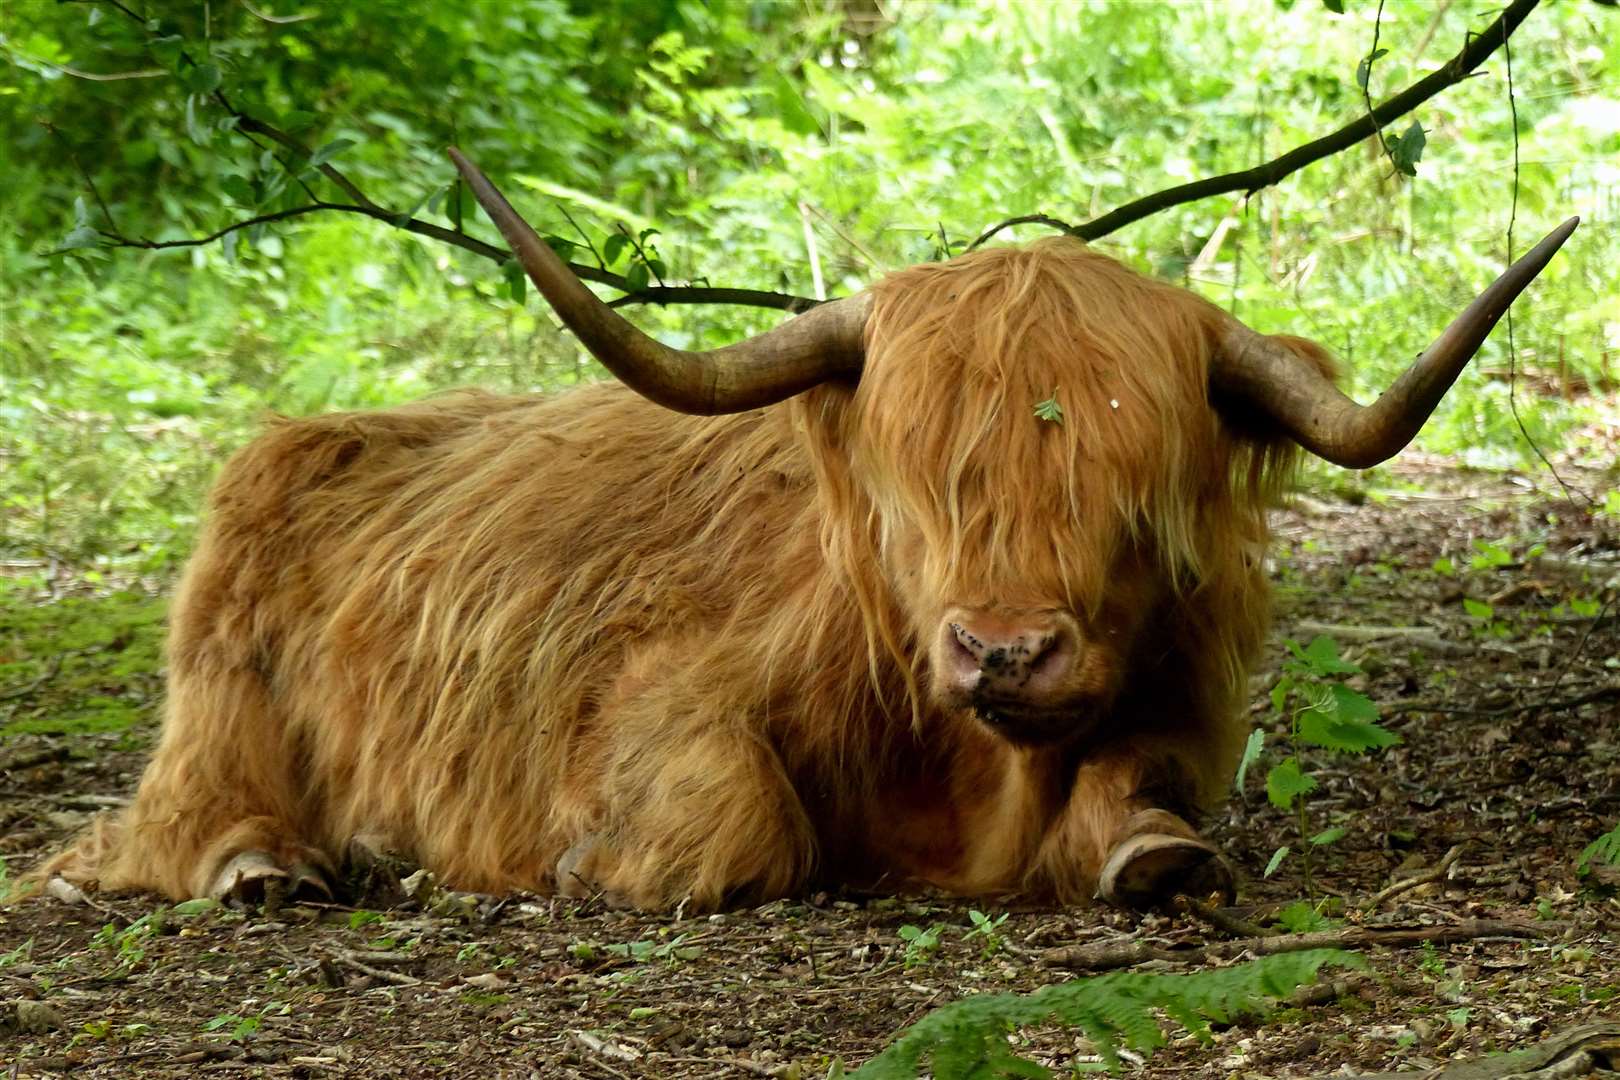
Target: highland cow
{"points": [[869, 620]]}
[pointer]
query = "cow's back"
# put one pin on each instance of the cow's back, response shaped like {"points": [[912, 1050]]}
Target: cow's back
{"points": [[439, 596]]}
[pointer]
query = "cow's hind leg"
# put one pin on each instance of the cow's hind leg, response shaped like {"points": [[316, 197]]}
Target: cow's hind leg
{"points": [[706, 818], [219, 811]]}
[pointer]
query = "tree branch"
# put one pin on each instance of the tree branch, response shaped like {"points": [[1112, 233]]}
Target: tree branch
{"points": [[1114, 954], [1474, 52]]}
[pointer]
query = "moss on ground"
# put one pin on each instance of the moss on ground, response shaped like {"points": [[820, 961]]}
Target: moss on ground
{"points": [[78, 664]]}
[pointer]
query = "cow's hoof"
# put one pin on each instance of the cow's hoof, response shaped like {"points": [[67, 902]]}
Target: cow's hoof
{"points": [[1150, 868], [254, 879], [373, 875], [579, 874]]}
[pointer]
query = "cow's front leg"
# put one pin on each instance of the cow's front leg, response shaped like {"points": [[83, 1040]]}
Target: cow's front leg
{"points": [[1122, 838], [704, 818]]}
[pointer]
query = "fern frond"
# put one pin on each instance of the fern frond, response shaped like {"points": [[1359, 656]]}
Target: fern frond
{"points": [[967, 1039]]}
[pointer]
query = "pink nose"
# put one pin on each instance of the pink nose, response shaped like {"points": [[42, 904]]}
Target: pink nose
{"points": [[992, 658]]}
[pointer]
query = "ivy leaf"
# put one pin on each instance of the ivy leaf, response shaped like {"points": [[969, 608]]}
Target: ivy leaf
{"points": [[1050, 409], [1406, 148], [1285, 783], [1364, 69]]}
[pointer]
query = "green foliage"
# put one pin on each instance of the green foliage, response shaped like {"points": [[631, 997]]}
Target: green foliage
{"points": [[77, 664], [987, 928], [1322, 712], [1050, 409], [967, 1039], [921, 945], [126, 375], [1605, 849], [128, 943]]}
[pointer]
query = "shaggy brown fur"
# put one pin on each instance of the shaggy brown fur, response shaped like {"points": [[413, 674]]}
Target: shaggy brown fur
{"points": [[485, 631]]}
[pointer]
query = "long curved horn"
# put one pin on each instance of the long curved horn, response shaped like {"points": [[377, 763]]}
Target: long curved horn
{"points": [[1254, 370], [824, 343]]}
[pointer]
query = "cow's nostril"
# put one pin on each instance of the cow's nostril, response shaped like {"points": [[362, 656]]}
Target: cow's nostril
{"points": [[1046, 653]]}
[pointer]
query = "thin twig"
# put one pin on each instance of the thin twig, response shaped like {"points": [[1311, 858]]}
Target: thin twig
{"points": [[1364, 76], [1602, 693], [1513, 352], [77, 164], [1221, 918], [1433, 874], [398, 978], [1108, 955]]}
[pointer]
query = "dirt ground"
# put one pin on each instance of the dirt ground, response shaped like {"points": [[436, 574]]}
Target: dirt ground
{"points": [[1505, 690]]}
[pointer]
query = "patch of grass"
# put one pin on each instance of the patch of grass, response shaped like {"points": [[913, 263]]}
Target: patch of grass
{"points": [[80, 664]]}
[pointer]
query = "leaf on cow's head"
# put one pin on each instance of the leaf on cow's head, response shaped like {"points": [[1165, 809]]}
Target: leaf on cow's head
{"points": [[1050, 409]]}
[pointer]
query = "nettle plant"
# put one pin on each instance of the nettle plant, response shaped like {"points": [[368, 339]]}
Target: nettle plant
{"points": [[1323, 712]]}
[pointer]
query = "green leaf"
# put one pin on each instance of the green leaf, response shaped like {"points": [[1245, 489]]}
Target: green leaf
{"points": [[404, 217], [1329, 836], [1407, 148], [195, 906], [564, 248], [613, 247], [1321, 657], [1364, 69], [1335, 6], [967, 1039], [790, 107], [1285, 783], [198, 132], [167, 49], [1605, 849], [82, 237], [239, 191], [636, 278], [1478, 609], [1276, 860], [1050, 409], [1346, 722], [200, 78], [329, 151], [1251, 754], [516, 282]]}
